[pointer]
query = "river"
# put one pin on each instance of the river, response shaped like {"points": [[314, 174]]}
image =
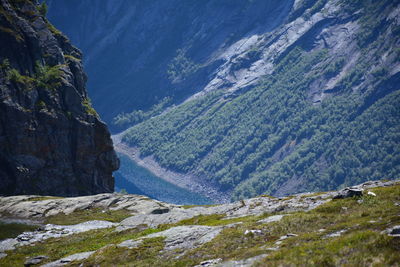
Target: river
{"points": [[138, 180]]}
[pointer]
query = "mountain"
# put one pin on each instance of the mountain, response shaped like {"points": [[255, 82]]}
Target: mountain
{"points": [[251, 97], [142, 54], [51, 139], [357, 226]]}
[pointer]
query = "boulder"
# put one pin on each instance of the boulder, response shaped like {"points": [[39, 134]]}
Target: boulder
{"points": [[349, 192], [35, 260]]}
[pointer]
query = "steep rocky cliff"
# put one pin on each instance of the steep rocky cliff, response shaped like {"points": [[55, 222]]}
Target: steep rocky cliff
{"points": [[51, 140]]}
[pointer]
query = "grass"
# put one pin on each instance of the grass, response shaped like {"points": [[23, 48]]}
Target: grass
{"points": [[11, 230], [88, 106], [72, 58], [53, 29], [56, 248], [147, 254], [12, 32], [362, 244], [87, 215], [211, 220]]}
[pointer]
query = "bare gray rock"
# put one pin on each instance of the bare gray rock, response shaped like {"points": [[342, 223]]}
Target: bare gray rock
{"points": [[187, 237], [336, 234], [209, 263], [180, 237], [274, 218], [51, 231], [131, 243], [393, 231], [69, 259], [35, 260], [23, 207], [349, 192], [241, 263], [8, 244]]}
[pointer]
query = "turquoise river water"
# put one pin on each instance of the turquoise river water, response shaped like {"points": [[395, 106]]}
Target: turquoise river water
{"points": [[138, 180]]}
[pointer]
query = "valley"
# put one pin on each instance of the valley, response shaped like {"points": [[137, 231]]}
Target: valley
{"points": [[276, 97], [212, 133], [134, 168]]}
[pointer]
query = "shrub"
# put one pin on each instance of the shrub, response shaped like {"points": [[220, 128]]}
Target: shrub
{"points": [[88, 105], [43, 8]]}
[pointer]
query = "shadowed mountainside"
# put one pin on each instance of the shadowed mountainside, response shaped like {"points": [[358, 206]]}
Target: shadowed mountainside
{"points": [[51, 140]]}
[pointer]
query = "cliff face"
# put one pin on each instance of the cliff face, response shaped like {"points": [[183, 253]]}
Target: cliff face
{"points": [[51, 139]]}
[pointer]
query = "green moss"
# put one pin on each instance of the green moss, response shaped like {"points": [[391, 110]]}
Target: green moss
{"points": [[72, 58], [88, 106], [11, 230], [41, 104], [15, 76], [53, 29], [87, 215], [42, 9]]}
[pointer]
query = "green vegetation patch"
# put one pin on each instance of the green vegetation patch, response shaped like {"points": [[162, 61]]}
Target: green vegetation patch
{"points": [[45, 76], [56, 248], [88, 215], [360, 222], [181, 67], [88, 106], [125, 120], [147, 254], [211, 220], [11, 230], [72, 58]]}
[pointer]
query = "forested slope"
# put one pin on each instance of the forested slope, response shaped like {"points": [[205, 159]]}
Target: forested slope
{"points": [[140, 54], [324, 113]]}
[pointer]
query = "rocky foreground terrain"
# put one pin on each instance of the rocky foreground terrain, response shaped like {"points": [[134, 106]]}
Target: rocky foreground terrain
{"points": [[355, 226]]}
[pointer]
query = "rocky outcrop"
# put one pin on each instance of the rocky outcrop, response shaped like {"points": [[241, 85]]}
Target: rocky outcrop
{"points": [[51, 139], [184, 231]]}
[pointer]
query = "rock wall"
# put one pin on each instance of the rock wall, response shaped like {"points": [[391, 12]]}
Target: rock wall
{"points": [[51, 140]]}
